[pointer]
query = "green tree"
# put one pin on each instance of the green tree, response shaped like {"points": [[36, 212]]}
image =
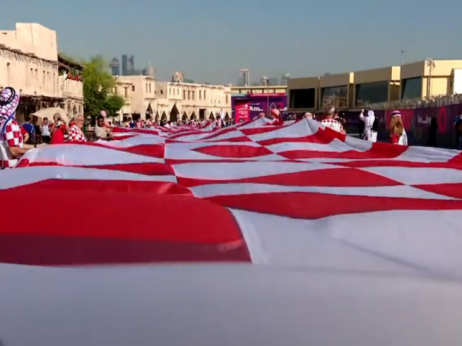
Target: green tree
{"points": [[97, 88]]}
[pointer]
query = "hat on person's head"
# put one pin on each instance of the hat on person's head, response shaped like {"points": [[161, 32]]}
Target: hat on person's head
{"points": [[395, 114], [9, 101]]}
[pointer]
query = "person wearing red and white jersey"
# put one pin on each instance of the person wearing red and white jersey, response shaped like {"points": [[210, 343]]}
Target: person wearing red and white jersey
{"points": [[76, 134], [277, 116], [329, 121], [12, 145]]}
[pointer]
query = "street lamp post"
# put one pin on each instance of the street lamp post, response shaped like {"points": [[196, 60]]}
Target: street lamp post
{"points": [[266, 80], [430, 63]]}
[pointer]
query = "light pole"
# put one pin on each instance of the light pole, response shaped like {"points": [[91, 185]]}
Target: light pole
{"points": [[266, 81], [430, 63]]}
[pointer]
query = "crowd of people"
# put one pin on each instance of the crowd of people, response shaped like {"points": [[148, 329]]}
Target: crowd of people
{"points": [[16, 139], [150, 122]]}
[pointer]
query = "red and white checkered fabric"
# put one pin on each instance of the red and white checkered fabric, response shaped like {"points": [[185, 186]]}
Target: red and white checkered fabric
{"points": [[333, 124], [355, 240], [76, 135], [11, 138], [294, 195]]}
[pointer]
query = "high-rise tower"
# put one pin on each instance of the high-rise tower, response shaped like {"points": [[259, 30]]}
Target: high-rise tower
{"points": [[115, 67]]}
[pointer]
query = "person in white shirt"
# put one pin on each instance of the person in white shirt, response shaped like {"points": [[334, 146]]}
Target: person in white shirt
{"points": [[368, 117], [45, 131]]}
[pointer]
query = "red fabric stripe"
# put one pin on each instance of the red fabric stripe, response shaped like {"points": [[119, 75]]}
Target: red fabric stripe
{"points": [[103, 209], [378, 151], [234, 151], [151, 169], [321, 177], [29, 249], [307, 205]]}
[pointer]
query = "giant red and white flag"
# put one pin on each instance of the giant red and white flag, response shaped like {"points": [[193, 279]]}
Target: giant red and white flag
{"points": [[287, 203]]}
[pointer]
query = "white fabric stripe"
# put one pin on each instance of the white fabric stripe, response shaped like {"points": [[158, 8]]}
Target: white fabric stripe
{"points": [[225, 305], [133, 142], [295, 130], [394, 241], [176, 151], [334, 146], [427, 154], [418, 175], [234, 189], [241, 170], [10, 178], [85, 155]]}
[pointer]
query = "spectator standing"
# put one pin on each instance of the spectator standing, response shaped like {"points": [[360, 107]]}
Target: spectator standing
{"points": [[102, 132], [12, 145], [30, 128], [45, 131], [76, 134]]}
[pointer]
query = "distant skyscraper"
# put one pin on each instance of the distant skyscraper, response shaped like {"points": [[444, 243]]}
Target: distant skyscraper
{"points": [[114, 65], [245, 77], [131, 65], [124, 64]]}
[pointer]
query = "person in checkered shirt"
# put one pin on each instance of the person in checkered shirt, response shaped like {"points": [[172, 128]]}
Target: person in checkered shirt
{"points": [[75, 131], [329, 121], [12, 145]]}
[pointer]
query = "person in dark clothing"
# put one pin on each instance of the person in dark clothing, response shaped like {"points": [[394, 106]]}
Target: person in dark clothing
{"points": [[432, 130]]}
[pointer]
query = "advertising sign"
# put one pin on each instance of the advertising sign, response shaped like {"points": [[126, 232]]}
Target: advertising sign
{"points": [[259, 103], [242, 111]]}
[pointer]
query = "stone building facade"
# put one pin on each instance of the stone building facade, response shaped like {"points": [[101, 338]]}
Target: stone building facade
{"points": [[29, 62]]}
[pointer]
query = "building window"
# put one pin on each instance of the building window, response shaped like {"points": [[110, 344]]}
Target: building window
{"points": [[200, 94], [411, 88], [184, 94], [205, 94], [368, 93], [192, 92], [133, 88], [302, 98], [227, 99], [189, 95], [336, 96], [169, 91], [125, 92]]}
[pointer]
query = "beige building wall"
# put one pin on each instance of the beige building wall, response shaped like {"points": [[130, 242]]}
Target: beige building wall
{"points": [[139, 94], [28, 60], [390, 74], [29, 63], [263, 89], [164, 97], [334, 80], [436, 80]]}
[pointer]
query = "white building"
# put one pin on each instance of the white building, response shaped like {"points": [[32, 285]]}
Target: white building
{"points": [[171, 100], [29, 63]]}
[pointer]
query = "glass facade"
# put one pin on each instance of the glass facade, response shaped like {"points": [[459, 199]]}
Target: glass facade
{"points": [[411, 88], [302, 98], [368, 93], [337, 96]]}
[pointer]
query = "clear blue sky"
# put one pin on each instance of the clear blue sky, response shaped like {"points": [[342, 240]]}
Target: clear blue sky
{"points": [[212, 40]]}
